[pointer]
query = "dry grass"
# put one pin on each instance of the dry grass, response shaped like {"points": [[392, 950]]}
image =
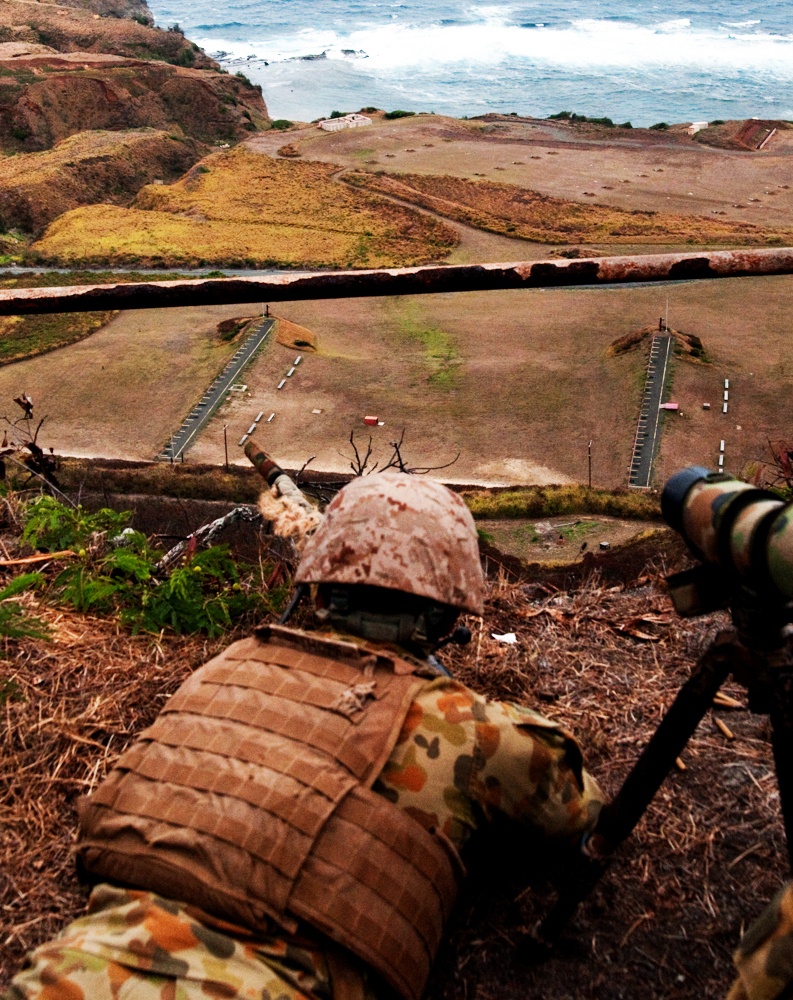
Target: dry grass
{"points": [[546, 501], [36, 188], [69, 705], [702, 863], [239, 208], [518, 212]]}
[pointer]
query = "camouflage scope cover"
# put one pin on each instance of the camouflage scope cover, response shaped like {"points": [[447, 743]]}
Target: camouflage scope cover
{"points": [[707, 518], [400, 532]]}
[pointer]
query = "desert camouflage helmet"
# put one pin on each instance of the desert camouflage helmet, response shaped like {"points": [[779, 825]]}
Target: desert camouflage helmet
{"points": [[400, 532]]}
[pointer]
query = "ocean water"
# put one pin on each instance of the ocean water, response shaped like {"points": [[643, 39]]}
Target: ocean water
{"points": [[637, 61]]}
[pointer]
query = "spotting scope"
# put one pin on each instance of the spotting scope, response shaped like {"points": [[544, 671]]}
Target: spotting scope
{"points": [[742, 533]]}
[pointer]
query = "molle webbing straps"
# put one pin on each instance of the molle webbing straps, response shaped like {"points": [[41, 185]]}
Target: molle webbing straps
{"points": [[250, 797]]}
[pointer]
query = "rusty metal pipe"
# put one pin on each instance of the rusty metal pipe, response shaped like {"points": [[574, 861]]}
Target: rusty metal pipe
{"points": [[295, 286]]}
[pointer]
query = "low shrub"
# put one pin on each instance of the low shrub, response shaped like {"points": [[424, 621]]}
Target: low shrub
{"points": [[115, 573], [547, 501]]}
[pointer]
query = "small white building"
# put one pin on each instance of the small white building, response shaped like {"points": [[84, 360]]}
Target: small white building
{"points": [[346, 121], [695, 127]]}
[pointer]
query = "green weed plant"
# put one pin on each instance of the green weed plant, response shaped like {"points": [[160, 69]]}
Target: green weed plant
{"points": [[204, 594], [15, 621]]}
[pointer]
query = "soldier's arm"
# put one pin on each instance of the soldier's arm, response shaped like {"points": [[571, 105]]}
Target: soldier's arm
{"points": [[460, 759], [536, 774], [764, 958]]}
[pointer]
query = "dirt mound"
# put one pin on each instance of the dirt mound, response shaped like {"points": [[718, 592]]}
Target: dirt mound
{"points": [[295, 337], [687, 345], [44, 99], [230, 329], [750, 134], [79, 28], [36, 188]]}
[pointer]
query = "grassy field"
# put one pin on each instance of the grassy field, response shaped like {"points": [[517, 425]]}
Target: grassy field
{"points": [[124, 390], [28, 336], [240, 208], [515, 211], [532, 382], [476, 373], [745, 328], [516, 382]]}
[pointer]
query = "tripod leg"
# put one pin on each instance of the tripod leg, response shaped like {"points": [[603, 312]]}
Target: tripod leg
{"points": [[781, 713], [621, 815]]}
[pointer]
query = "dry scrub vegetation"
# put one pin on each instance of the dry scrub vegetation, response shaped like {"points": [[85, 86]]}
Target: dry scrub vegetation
{"points": [[515, 211], [240, 208], [36, 188]]}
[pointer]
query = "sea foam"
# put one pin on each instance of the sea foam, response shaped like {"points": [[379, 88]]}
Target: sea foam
{"points": [[586, 42]]}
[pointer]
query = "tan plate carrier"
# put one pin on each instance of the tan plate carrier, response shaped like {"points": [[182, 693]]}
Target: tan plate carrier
{"points": [[250, 797]]}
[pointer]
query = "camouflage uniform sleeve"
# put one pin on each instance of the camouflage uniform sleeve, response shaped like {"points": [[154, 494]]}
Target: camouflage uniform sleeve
{"points": [[536, 774], [460, 759], [764, 958]]}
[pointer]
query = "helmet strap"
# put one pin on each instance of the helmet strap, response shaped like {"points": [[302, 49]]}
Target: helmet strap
{"points": [[418, 625]]}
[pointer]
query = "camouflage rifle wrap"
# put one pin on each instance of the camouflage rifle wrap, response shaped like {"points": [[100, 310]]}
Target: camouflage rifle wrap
{"points": [[275, 477], [780, 551], [764, 958], [745, 531]]}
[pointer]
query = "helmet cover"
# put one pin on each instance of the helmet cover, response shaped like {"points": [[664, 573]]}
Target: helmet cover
{"points": [[401, 532]]}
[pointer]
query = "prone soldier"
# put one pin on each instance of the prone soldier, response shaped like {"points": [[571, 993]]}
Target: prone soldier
{"points": [[292, 823]]}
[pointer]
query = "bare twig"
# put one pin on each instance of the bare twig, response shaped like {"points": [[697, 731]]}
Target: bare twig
{"points": [[303, 468], [360, 466]]}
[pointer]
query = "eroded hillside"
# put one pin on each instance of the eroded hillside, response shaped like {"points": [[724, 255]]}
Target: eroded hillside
{"points": [[36, 188], [96, 102]]}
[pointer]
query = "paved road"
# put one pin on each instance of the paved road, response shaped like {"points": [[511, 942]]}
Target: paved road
{"points": [[647, 431], [216, 393]]}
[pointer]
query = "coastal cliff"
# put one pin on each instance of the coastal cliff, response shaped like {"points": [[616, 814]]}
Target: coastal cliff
{"points": [[96, 102]]}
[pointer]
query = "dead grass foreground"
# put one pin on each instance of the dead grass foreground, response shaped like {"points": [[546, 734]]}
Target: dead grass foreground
{"points": [[605, 661], [241, 208], [704, 860], [69, 706], [518, 212]]}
